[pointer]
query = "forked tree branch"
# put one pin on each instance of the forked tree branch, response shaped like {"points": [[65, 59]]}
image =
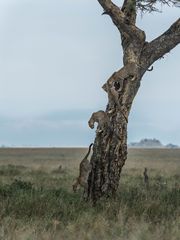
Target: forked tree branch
{"points": [[157, 48], [120, 19]]}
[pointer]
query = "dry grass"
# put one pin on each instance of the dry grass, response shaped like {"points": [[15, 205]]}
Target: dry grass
{"points": [[37, 202]]}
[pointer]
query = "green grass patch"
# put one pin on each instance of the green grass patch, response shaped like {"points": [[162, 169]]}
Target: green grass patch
{"points": [[38, 203]]}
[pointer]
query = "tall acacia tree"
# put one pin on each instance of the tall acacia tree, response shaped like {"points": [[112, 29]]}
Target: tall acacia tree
{"points": [[110, 145]]}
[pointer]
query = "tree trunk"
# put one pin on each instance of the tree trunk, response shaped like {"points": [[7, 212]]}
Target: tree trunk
{"points": [[109, 155], [110, 145]]}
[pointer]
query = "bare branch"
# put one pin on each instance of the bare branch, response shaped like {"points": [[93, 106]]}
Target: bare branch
{"points": [[147, 6], [111, 9], [162, 44]]}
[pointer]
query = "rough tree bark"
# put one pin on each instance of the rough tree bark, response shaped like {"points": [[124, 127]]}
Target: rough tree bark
{"points": [[110, 145]]}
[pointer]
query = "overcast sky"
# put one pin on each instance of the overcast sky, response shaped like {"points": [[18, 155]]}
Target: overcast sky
{"points": [[54, 58]]}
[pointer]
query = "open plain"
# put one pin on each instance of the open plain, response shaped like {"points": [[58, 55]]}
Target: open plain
{"points": [[37, 201]]}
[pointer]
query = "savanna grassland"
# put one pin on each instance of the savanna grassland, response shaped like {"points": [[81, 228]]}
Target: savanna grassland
{"points": [[37, 202]]}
